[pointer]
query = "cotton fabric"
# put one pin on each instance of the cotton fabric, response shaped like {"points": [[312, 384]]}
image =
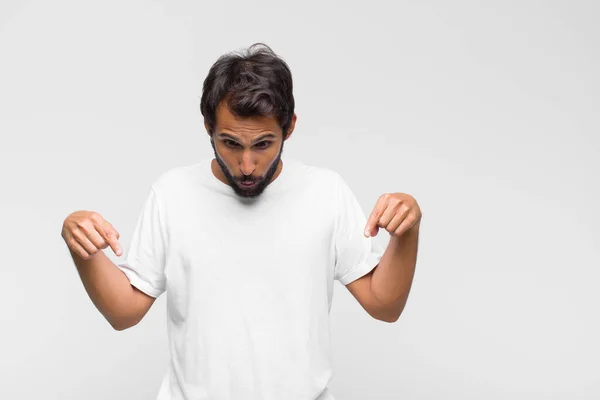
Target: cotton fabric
{"points": [[249, 282]]}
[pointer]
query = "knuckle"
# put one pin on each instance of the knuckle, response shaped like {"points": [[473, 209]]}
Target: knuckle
{"points": [[82, 224]]}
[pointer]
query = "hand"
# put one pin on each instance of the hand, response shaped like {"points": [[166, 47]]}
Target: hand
{"points": [[395, 212], [86, 232]]}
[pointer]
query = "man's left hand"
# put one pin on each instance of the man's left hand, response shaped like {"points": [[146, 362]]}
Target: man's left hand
{"points": [[394, 212]]}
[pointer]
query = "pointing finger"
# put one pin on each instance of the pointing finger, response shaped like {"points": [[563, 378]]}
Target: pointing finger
{"points": [[111, 238], [373, 220]]}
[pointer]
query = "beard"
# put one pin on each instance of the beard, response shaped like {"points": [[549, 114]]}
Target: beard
{"points": [[261, 182]]}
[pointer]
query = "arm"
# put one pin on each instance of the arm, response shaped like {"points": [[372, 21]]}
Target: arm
{"points": [[122, 304], [383, 292], [393, 276]]}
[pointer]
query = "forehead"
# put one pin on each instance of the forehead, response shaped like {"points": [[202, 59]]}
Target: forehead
{"points": [[227, 121]]}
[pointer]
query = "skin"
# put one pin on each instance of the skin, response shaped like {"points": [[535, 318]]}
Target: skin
{"points": [[247, 153]]}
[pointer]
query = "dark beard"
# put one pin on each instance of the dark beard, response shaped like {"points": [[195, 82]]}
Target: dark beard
{"points": [[261, 184]]}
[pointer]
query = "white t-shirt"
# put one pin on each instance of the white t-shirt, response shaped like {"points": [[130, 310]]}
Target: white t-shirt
{"points": [[249, 282]]}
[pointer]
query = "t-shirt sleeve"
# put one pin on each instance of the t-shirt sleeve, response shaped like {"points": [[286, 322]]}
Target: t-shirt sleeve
{"points": [[145, 260], [355, 254]]}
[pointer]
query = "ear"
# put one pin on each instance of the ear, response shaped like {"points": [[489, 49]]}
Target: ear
{"points": [[292, 126]]}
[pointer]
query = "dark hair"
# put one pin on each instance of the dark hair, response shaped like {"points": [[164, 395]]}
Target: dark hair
{"points": [[254, 81]]}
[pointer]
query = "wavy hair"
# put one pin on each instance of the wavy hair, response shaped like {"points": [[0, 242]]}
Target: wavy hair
{"points": [[254, 82]]}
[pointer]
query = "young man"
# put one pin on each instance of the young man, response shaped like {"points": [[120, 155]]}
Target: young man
{"points": [[247, 247]]}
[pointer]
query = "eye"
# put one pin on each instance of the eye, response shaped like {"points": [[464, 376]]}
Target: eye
{"points": [[265, 143], [230, 143]]}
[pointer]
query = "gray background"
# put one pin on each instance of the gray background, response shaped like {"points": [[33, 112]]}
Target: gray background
{"points": [[486, 112]]}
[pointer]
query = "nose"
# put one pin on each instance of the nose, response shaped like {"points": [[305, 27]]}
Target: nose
{"points": [[247, 166]]}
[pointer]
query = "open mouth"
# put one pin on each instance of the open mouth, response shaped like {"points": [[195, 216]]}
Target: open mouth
{"points": [[248, 184]]}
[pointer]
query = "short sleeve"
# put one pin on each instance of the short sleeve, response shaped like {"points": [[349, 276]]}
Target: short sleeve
{"points": [[144, 263], [355, 254]]}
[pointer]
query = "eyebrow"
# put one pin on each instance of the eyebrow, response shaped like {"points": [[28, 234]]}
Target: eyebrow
{"points": [[227, 135]]}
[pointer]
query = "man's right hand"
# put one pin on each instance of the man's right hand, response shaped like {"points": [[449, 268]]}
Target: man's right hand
{"points": [[87, 232]]}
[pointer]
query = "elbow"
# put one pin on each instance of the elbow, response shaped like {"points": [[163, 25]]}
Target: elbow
{"points": [[389, 319], [128, 313], [121, 324], [121, 327], [118, 326], [389, 314]]}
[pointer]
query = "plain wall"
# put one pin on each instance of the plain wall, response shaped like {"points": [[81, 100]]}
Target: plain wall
{"points": [[486, 112]]}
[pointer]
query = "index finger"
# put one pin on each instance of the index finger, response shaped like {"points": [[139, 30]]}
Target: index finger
{"points": [[110, 235], [373, 219]]}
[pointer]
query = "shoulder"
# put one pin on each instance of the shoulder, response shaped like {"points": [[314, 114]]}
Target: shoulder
{"points": [[315, 174], [175, 179]]}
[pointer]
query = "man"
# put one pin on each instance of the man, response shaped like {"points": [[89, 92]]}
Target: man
{"points": [[247, 247]]}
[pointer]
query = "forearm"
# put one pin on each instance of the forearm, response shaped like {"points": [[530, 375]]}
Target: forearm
{"points": [[108, 288], [392, 279]]}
